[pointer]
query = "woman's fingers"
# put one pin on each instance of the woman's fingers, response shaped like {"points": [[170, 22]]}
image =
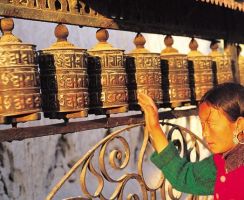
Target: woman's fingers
{"points": [[145, 100]]}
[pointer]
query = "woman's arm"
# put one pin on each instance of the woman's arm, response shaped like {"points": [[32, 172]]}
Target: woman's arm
{"points": [[195, 178], [189, 177], [157, 136]]}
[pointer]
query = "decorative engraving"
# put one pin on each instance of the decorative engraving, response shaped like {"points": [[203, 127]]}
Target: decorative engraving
{"points": [[179, 94], [15, 104], [241, 68], [19, 77], [67, 80], [201, 72], [65, 102], [144, 73], [175, 61], [201, 90], [60, 59], [148, 78], [109, 59], [223, 68], [224, 77], [113, 79], [9, 57], [10, 78], [155, 93], [202, 63], [107, 76], [176, 78], [203, 78], [64, 78], [176, 81], [147, 61], [107, 98]]}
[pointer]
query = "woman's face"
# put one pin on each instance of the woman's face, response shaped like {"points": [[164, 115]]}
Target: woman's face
{"points": [[217, 129]]}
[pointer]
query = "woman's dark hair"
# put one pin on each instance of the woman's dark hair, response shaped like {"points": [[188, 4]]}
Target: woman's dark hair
{"points": [[227, 96]]}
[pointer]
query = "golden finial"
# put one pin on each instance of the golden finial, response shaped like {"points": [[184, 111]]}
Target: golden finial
{"points": [[61, 32], [193, 45], [168, 41], [7, 26]]}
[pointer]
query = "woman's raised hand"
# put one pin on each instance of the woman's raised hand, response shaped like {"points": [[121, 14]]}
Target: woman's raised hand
{"points": [[158, 138], [150, 111]]}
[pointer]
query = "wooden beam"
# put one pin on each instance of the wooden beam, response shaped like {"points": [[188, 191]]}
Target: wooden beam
{"points": [[64, 128]]}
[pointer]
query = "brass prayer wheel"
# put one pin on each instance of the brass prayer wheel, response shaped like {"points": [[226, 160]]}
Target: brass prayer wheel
{"points": [[200, 71], [144, 73], [64, 79], [241, 65], [19, 79], [107, 77], [221, 64], [175, 80]]}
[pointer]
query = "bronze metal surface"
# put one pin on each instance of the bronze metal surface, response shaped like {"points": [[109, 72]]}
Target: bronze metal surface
{"points": [[222, 65], [200, 71], [64, 80], [240, 64], [176, 88], [144, 73], [107, 77], [241, 69], [19, 78]]}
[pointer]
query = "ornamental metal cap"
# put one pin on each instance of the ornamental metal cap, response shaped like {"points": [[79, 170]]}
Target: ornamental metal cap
{"points": [[102, 36], [214, 47], [193, 45], [169, 41], [139, 42], [7, 26], [61, 32]]}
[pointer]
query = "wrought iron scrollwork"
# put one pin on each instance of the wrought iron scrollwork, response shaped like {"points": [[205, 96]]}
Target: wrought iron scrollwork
{"points": [[186, 142]]}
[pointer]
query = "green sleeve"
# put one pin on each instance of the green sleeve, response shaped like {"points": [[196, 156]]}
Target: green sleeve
{"points": [[188, 177]]}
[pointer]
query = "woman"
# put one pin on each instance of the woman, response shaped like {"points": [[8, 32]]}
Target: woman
{"points": [[221, 112]]}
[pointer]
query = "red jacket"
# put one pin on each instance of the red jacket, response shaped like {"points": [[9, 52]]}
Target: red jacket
{"points": [[219, 174], [228, 185]]}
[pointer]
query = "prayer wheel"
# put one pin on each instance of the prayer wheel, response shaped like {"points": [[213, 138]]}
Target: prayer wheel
{"points": [[107, 77], [176, 88], [144, 73], [241, 65], [19, 79], [200, 71], [64, 79], [221, 64]]}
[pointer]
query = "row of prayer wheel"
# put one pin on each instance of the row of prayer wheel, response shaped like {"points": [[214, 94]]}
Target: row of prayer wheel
{"points": [[102, 80]]}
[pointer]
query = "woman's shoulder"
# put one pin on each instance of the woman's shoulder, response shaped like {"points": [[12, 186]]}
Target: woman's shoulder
{"points": [[230, 160]]}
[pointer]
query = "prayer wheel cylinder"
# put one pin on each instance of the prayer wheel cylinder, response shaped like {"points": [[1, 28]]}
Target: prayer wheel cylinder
{"points": [[176, 88], [200, 71], [64, 79], [107, 77], [221, 65], [241, 69], [144, 73], [241, 64], [19, 79]]}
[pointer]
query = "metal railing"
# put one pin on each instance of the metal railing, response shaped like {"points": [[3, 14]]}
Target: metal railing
{"points": [[119, 157]]}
